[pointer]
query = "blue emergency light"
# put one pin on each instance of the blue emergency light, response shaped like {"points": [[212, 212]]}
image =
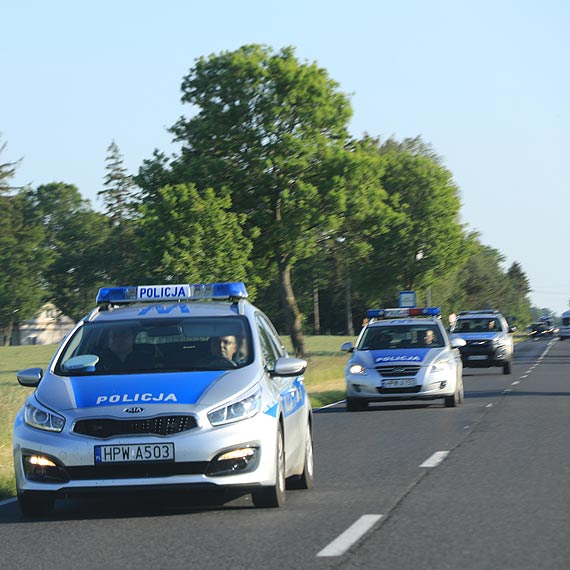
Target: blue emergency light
{"points": [[403, 312], [169, 292]]}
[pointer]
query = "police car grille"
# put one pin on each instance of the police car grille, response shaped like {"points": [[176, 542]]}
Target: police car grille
{"points": [[136, 470], [479, 343], [162, 425], [397, 371], [409, 390]]}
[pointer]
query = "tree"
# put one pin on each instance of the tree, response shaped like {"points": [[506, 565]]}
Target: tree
{"points": [[7, 171], [480, 282], [270, 129], [117, 195], [22, 259], [193, 237], [426, 241], [22, 289], [76, 237]]}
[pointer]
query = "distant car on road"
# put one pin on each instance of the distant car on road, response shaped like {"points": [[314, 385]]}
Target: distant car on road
{"points": [[564, 329], [488, 337]]}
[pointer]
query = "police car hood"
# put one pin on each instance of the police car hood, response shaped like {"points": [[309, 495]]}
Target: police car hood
{"points": [[417, 356], [169, 389]]}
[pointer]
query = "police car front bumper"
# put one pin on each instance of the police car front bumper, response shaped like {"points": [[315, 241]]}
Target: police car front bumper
{"points": [[240, 454], [484, 357], [373, 388]]}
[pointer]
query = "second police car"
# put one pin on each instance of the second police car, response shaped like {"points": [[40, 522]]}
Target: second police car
{"points": [[165, 387], [403, 354]]}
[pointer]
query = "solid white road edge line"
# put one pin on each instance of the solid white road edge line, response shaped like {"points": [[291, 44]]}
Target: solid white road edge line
{"points": [[7, 501], [435, 459], [353, 533]]}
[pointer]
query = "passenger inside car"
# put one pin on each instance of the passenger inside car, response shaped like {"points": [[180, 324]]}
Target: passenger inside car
{"points": [[379, 341]]}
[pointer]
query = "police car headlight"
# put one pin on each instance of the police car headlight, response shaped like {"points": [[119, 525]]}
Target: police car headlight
{"points": [[441, 365], [41, 418], [240, 410], [498, 342], [357, 369]]}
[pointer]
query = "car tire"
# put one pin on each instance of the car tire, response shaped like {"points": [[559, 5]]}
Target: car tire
{"points": [[306, 479], [454, 400], [35, 504], [507, 367], [273, 495], [356, 404]]}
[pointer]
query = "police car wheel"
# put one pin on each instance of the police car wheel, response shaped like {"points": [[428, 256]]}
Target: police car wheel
{"points": [[35, 504], [273, 495], [454, 400], [507, 367], [306, 479]]}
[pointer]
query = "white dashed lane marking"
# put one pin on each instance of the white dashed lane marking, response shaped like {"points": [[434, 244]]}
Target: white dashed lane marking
{"points": [[351, 535], [435, 459]]}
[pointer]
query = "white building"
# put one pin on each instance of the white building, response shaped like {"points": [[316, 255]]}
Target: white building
{"points": [[48, 327]]}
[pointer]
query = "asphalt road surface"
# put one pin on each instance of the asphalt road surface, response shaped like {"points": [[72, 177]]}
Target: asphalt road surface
{"points": [[398, 487]]}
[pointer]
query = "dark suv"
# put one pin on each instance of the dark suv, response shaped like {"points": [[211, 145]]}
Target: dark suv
{"points": [[488, 338]]}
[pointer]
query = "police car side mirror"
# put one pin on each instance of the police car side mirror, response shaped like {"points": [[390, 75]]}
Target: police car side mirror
{"points": [[287, 366], [512, 329], [347, 347], [458, 342], [30, 377]]}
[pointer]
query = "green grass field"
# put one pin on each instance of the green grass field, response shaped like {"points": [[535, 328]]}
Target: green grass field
{"points": [[324, 380]]}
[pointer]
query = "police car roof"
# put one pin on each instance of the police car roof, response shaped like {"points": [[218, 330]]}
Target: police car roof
{"points": [[479, 313], [405, 321], [175, 310]]}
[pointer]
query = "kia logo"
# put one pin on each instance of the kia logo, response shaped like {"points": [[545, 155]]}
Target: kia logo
{"points": [[134, 410]]}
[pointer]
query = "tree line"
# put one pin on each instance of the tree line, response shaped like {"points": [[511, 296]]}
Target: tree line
{"points": [[268, 187]]}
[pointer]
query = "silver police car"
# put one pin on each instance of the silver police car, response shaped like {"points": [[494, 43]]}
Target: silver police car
{"points": [[165, 386], [403, 354]]}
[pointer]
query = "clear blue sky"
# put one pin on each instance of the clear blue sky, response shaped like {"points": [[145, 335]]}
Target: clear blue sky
{"points": [[486, 83]]}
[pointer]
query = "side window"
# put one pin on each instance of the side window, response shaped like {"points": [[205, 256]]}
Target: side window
{"points": [[272, 335], [268, 345], [266, 348]]}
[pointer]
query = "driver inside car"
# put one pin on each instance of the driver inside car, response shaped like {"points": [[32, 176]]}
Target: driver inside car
{"points": [[224, 348]]}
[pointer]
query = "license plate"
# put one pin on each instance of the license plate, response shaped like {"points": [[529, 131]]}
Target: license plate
{"points": [[399, 383], [134, 452], [477, 357]]}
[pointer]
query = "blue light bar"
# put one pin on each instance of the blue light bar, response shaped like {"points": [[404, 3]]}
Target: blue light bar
{"points": [[403, 312], [180, 292]]}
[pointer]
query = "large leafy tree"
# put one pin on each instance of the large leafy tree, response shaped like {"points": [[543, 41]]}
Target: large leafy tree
{"points": [[426, 241], [271, 129], [193, 237]]}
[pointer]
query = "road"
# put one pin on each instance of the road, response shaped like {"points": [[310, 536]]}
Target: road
{"points": [[398, 487]]}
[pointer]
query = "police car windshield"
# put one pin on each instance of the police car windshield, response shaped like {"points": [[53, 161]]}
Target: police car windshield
{"points": [[389, 337], [488, 324], [157, 345]]}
